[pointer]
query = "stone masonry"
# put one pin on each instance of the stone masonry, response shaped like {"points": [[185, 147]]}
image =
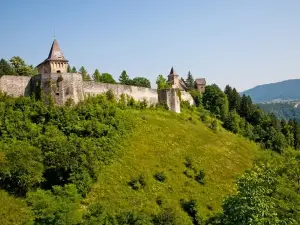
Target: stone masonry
{"points": [[54, 81]]}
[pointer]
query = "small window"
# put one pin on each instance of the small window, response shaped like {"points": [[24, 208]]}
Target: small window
{"points": [[58, 71]]}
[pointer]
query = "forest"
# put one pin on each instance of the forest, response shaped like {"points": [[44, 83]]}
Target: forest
{"points": [[50, 157], [284, 111]]}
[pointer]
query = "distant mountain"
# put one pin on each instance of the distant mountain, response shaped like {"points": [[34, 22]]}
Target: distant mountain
{"points": [[288, 90]]}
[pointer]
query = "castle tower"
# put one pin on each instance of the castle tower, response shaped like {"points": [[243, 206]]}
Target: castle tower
{"points": [[55, 63], [173, 78]]}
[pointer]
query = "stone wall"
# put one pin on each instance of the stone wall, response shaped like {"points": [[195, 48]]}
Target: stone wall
{"points": [[138, 93], [185, 96], [63, 87], [170, 98], [15, 86]]}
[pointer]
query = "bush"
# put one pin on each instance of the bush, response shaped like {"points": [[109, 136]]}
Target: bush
{"points": [[160, 176], [166, 217], [59, 206], [137, 183], [200, 177], [191, 208], [214, 125]]}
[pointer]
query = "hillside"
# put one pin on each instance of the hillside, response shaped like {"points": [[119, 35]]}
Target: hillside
{"points": [[163, 142], [280, 91], [282, 110]]}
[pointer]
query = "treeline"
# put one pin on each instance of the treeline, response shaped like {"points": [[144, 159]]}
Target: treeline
{"points": [[241, 116], [108, 78], [17, 66]]}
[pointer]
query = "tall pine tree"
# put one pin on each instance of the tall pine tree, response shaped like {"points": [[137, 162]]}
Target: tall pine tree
{"points": [[97, 76], [190, 82], [74, 70], [84, 74], [124, 78]]}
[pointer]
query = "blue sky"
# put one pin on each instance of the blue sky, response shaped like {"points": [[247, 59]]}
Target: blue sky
{"points": [[241, 43]]}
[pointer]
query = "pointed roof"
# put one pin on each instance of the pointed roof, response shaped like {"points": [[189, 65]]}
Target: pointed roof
{"points": [[172, 72], [55, 52]]}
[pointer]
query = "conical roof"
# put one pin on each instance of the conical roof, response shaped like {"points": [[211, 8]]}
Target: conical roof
{"points": [[172, 72], [55, 52]]}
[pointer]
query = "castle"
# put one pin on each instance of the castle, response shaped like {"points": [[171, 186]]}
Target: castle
{"points": [[54, 80]]}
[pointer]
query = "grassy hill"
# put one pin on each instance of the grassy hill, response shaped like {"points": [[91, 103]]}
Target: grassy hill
{"points": [[177, 146]]}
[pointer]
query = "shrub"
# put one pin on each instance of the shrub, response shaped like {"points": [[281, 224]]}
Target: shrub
{"points": [[159, 200], [191, 208], [200, 177], [214, 125], [166, 217], [160, 176], [137, 183]]}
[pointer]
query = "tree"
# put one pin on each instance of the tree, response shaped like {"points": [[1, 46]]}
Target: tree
{"points": [[59, 206], [124, 78], [107, 78], [232, 122], [84, 74], [69, 70], [162, 82], [74, 69], [252, 204], [190, 82], [295, 127], [246, 108], [14, 211], [5, 68], [97, 76], [20, 67], [234, 98], [197, 96], [22, 169], [141, 82], [215, 101]]}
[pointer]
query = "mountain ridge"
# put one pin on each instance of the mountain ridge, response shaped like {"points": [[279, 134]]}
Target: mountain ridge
{"points": [[287, 90]]}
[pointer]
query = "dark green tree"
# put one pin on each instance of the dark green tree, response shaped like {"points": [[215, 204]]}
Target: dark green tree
{"points": [[69, 70], [295, 129], [107, 78], [215, 101], [141, 82], [5, 68], [246, 108], [124, 78], [84, 74], [97, 76], [190, 82], [74, 69], [232, 122]]}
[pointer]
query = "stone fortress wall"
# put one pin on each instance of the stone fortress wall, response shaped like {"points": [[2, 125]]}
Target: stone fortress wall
{"points": [[70, 85], [15, 85], [138, 93]]}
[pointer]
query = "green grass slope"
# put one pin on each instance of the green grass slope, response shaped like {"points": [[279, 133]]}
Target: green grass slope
{"points": [[161, 142]]}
